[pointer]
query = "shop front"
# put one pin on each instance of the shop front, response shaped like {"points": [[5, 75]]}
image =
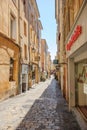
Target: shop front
{"points": [[76, 53], [77, 78]]}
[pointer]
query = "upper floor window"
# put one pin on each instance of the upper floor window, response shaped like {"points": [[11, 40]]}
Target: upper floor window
{"points": [[25, 29], [24, 4], [12, 27], [25, 52]]}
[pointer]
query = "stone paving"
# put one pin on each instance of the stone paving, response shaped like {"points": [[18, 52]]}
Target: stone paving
{"points": [[49, 112], [41, 108]]}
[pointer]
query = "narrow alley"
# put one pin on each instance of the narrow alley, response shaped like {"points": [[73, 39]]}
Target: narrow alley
{"points": [[43, 64], [40, 108]]}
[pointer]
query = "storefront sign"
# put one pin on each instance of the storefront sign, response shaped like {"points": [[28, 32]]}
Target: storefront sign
{"points": [[74, 37], [85, 88]]}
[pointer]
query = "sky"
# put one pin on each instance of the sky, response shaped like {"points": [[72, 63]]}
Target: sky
{"points": [[47, 17]]}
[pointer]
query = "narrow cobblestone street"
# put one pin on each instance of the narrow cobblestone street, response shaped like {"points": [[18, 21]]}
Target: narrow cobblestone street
{"points": [[41, 108]]}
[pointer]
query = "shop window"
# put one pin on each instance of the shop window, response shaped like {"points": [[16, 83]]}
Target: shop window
{"points": [[12, 27], [25, 29], [11, 69], [25, 52]]}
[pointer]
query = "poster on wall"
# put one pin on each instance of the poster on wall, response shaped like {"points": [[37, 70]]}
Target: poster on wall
{"points": [[24, 69], [85, 88]]}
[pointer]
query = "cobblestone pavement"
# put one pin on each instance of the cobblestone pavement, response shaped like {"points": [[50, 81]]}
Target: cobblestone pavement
{"points": [[49, 112], [41, 108]]}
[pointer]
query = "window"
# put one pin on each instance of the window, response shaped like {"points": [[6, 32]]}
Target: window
{"points": [[25, 30], [11, 69], [24, 4], [12, 27], [25, 52]]}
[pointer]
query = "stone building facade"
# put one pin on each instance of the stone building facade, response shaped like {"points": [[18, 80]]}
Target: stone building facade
{"points": [[20, 46], [40, 27], [75, 43], [24, 51], [62, 67], [32, 15], [9, 49], [44, 53]]}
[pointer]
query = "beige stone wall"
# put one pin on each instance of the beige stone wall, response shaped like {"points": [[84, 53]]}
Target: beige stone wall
{"points": [[32, 17], [4, 25], [8, 49], [23, 37], [6, 8]]}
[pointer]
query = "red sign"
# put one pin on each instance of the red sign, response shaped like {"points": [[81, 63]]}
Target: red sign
{"points": [[74, 37]]}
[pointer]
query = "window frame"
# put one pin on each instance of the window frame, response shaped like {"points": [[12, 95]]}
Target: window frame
{"points": [[25, 28], [12, 24]]}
